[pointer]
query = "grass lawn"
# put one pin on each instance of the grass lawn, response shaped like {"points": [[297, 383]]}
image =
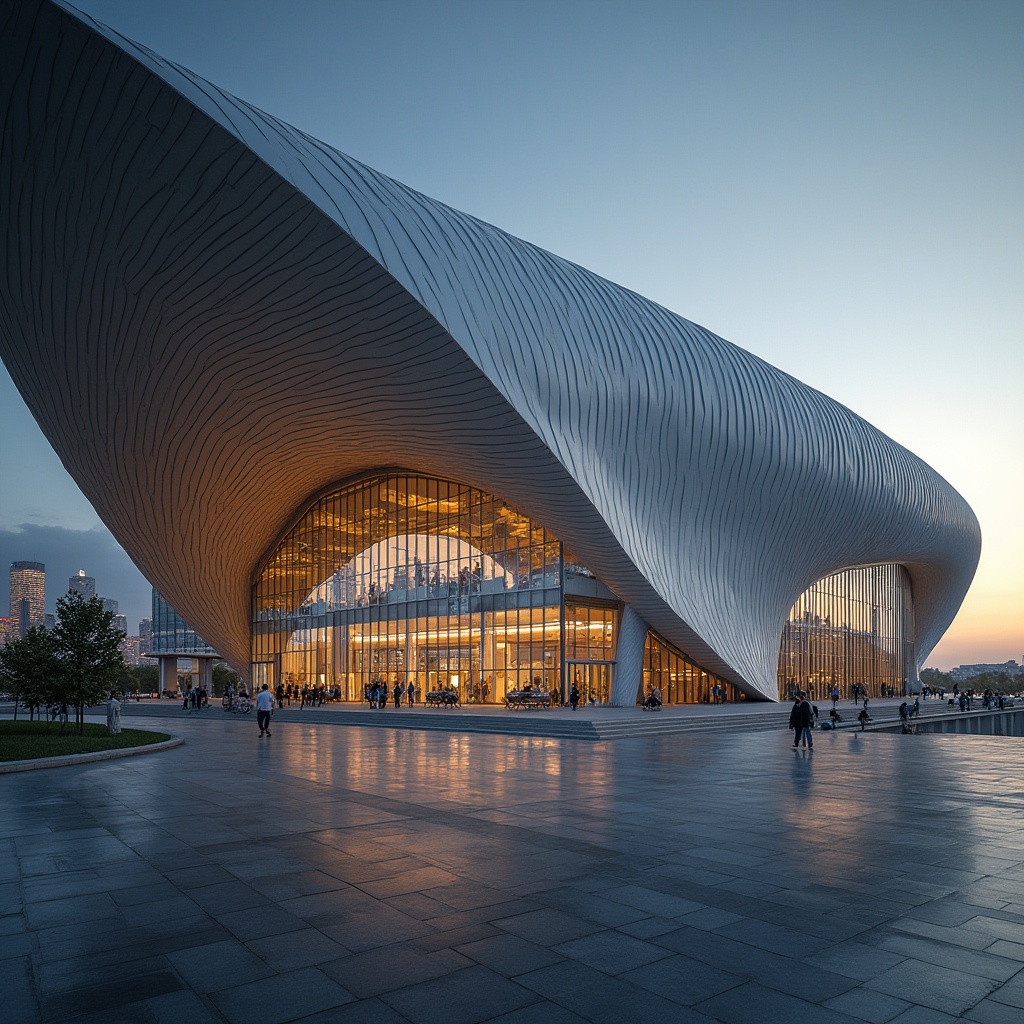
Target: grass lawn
{"points": [[20, 741]]}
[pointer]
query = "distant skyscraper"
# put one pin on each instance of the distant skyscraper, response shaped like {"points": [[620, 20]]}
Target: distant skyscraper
{"points": [[172, 635], [109, 605], [145, 629], [8, 630], [82, 584], [28, 595], [120, 622]]}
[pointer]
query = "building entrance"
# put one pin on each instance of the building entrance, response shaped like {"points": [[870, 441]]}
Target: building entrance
{"points": [[592, 678]]}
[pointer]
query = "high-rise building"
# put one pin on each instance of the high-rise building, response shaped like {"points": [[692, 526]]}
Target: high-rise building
{"points": [[82, 584], [28, 595], [130, 650], [172, 638], [145, 630], [120, 622], [110, 605], [8, 630]]}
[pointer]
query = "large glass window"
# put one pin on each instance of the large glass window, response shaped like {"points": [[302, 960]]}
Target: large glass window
{"points": [[681, 680], [404, 579], [854, 628]]}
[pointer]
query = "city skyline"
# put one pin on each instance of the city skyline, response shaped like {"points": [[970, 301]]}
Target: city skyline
{"points": [[918, 256]]}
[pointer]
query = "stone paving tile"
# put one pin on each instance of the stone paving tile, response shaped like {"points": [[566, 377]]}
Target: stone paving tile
{"points": [[755, 1004], [611, 952], [969, 960], [51, 913], [260, 922], [539, 1013], [17, 991], [925, 1015], [547, 927], [306, 948], [223, 897], [995, 927], [365, 1011], [1011, 950], [509, 955], [367, 923], [177, 1007], [682, 980], [652, 901], [66, 976], [1011, 993], [111, 996], [604, 1000], [855, 960], [941, 988], [452, 938], [466, 997], [989, 1011], [283, 997], [865, 1004], [220, 965], [393, 967]]}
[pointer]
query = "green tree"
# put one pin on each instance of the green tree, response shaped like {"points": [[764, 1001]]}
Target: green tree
{"points": [[935, 679], [88, 649], [223, 677], [144, 678], [29, 672]]}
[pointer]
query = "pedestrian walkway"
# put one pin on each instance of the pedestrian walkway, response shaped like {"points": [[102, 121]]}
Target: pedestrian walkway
{"points": [[590, 724], [383, 875]]}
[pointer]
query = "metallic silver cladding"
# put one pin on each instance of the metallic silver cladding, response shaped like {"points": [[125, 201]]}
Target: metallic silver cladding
{"points": [[205, 306]]}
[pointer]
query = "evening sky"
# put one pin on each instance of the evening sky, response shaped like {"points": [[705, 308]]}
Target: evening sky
{"points": [[835, 187]]}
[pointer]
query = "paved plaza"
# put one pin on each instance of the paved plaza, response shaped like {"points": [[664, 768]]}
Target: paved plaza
{"points": [[344, 874]]}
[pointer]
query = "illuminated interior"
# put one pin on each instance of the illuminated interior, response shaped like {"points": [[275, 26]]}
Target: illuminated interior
{"points": [[398, 578], [852, 628], [402, 579]]}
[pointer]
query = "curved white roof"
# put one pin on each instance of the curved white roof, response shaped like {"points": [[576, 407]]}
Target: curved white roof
{"points": [[214, 317]]}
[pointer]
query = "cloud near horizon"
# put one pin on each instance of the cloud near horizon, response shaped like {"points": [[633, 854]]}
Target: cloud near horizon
{"points": [[64, 551]]}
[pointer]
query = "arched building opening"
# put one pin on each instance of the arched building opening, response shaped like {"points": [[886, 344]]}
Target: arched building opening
{"points": [[853, 628], [401, 578]]}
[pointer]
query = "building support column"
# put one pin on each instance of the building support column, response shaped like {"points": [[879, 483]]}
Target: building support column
{"points": [[206, 675], [629, 659], [168, 674]]}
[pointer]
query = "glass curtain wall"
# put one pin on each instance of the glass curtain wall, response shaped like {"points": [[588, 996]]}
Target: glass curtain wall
{"points": [[170, 634], [853, 628], [405, 579], [681, 680]]}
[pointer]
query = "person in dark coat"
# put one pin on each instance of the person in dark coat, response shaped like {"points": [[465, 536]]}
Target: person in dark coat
{"points": [[800, 721]]}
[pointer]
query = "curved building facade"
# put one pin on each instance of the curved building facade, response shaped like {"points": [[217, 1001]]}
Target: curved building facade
{"points": [[250, 325]]}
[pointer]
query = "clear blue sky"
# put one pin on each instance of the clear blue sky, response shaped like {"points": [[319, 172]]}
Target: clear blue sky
{"points": [[836, 187]]}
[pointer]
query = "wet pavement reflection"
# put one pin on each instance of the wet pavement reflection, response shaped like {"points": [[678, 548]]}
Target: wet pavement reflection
{"points": [[367, 874]]}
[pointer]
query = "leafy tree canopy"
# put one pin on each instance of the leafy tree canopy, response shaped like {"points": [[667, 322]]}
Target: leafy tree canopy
{"points": [[88, 648], [29, 671]]}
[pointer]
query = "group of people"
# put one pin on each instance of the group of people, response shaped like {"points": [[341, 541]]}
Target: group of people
{"points": [[907, 712], [376, 694], [801, 721], [195, 699]]}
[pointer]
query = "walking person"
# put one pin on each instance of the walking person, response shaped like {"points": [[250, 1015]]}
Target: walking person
{"points": [[264, 705], [800, 721], [574, 697]]}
